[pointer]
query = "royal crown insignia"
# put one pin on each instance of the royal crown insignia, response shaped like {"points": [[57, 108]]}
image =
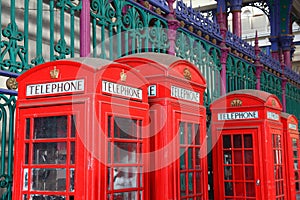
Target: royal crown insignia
{"points": [[187, 74], [236, 102], [123, 76], [54, 73]]}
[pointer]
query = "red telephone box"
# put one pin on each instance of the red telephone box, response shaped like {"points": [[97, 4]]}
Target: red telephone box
{"points": [[248, 156], [79, 132], [292, 145], [177, 127]]}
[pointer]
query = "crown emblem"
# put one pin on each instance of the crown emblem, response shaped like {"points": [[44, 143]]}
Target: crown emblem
{"points": [[123, 76], [54, 73], [236, 102], [273, 103], [187, 74]]}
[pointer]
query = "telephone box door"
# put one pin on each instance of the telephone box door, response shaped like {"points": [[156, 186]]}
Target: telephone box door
{"points": [[240, 164], [50, 141]]}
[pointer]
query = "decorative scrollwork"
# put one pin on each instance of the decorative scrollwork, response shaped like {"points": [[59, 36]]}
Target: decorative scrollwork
{"points": [[5, 181], [62, 48]]}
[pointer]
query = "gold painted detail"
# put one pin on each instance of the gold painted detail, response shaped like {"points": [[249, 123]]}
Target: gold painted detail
{"points": [[54, 73], [236, 102], [11, 83], [273, 103], [187, 74], [123, 76]]}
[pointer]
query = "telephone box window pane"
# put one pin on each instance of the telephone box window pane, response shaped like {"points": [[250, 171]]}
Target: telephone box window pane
{"points": [[238, 159], [109, 152], [124, 177], [49, 179], [248, 141], [249, 172], [228, 189], [198, 183], [227, 173], [26, 153], [198, 159], [49, 153], [190, 133], [197, 134], [25, 179], [109, 126], [190, 158], [226, 141], [191, 183], [182, 159], [72, 180], [125, 152], [250, 189], [47, 197], [227, 157], [125, 128], [248, 157], [50, 127], [182, 184], [72, 153], [73, 126], [123, 196], [27, 128], [239, 173], [237, 141], [181, 129]]}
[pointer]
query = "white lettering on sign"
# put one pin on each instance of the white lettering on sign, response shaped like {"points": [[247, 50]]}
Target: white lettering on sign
{"points": [[271, 115], [292, 126], [238, 115], [152, 91], [55, 87], [185, 94], [123, 90]]}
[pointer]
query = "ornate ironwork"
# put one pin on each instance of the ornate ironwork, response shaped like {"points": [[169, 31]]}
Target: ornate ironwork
{"points": [[262, 5]]}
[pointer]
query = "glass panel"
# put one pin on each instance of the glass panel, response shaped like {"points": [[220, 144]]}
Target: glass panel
{"points": [[249, 173], [227, 173], [238, 159], [248, 157], [197, 134], [239, 189], [250, 189], [125, 177], [197, 155], [182, 158], [182, 184], [125, 152], [190, 182], [50, 127], [125, 128], [190, 133], [49, 153], [237, 141], [248, 141], [181, 129], [27, 128], [26, 153], [190, 158], [109, 126], [239, 173], [48, 197], [125, 196], [72, 180], [227, 157], [228, 189], [49, 179], [72, 153], [109, 152], [226, 141], [73, 126], [25, 179], [198, 183]]}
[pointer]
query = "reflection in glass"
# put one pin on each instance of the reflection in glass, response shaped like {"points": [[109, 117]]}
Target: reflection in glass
{"points": [[49, 153], [237, 141], [122, 177], [248, 141], [226, 141], [72, 180], [227, 157], [27, 128], [73, 126], [228, 189], [125, 152], [50, 127], [125, 128], [227, 173], [49, 179], [46, 197]]}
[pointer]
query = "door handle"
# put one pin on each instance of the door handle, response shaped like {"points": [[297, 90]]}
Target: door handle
{"points": [[257, 182]]}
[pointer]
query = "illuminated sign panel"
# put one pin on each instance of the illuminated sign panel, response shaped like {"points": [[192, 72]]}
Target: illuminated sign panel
{"points": [[122, 90], [185, 94], [238, 115], [55, 87], [271, 115]]}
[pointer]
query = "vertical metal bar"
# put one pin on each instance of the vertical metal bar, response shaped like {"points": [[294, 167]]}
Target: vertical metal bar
{"points": [[94, 38], [1, 20], [10, 143], [72, 32], [26, 13], [85, 37], [51, 5], [39, 28]]}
